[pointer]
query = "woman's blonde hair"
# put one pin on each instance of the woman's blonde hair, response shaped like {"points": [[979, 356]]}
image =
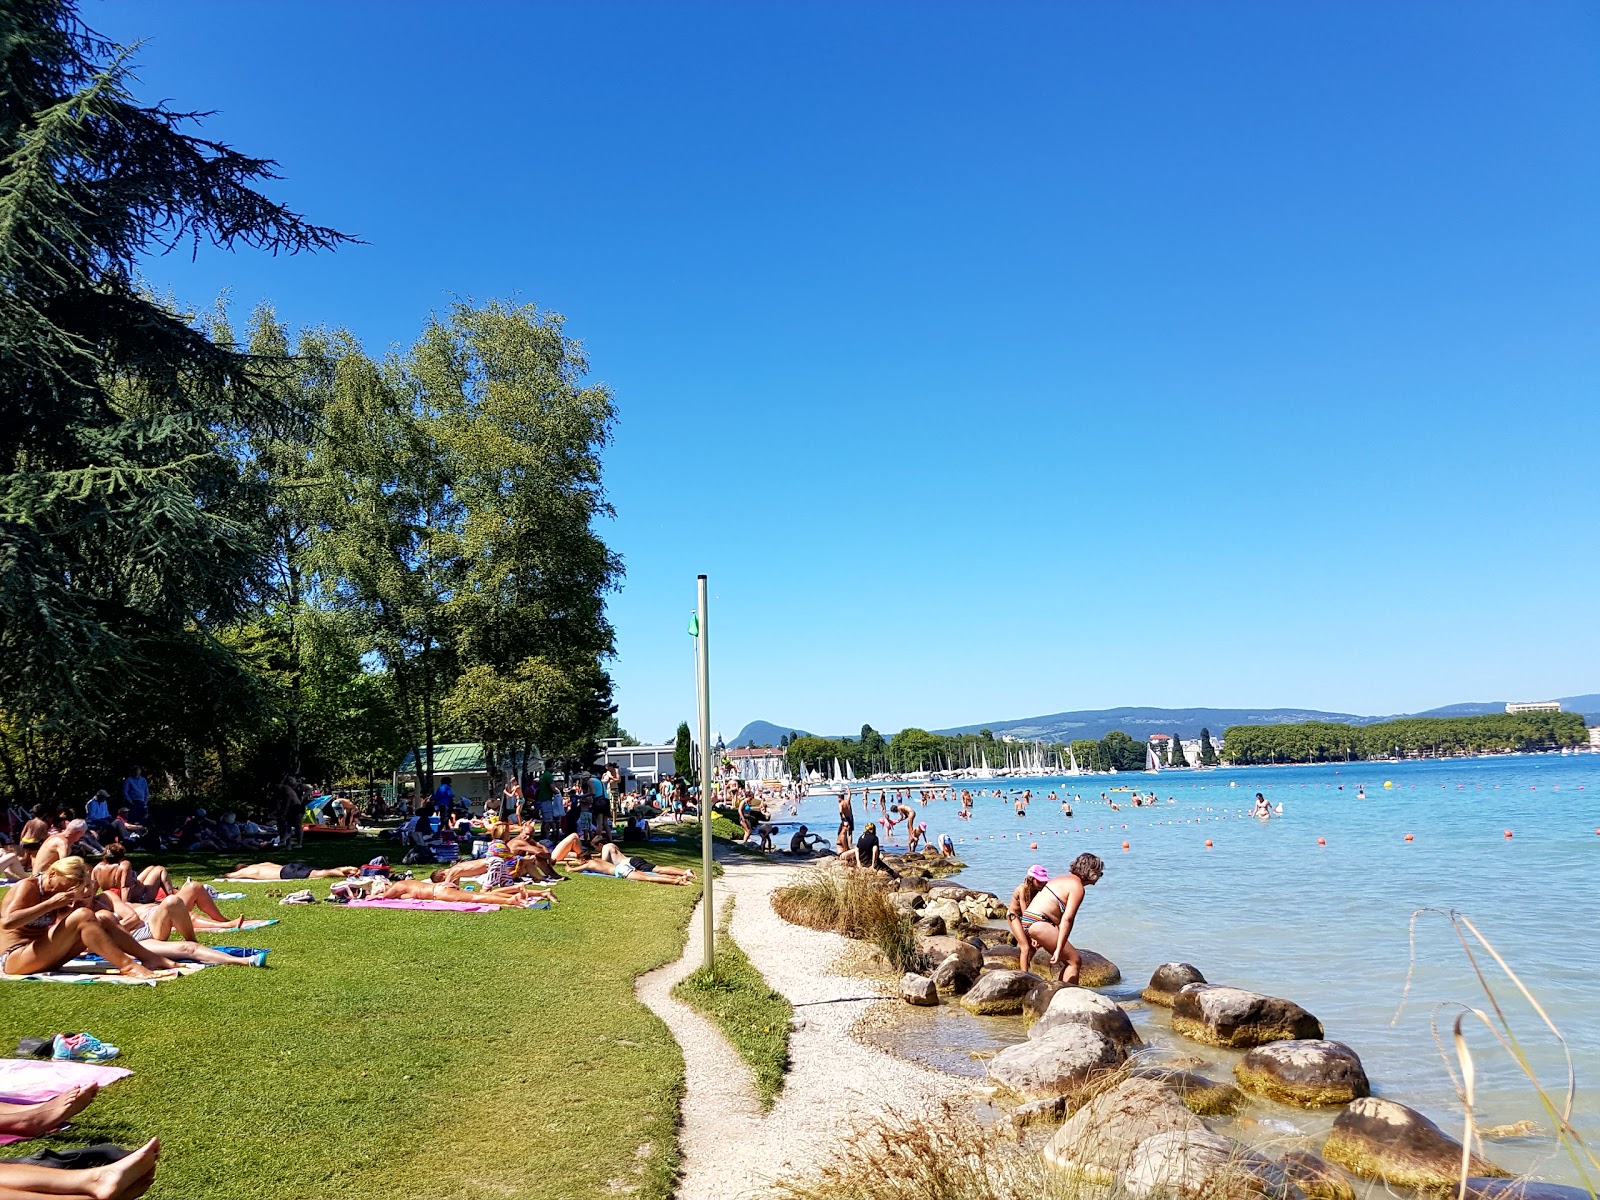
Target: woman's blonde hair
{"points": [[499, 831], [72, 869]]}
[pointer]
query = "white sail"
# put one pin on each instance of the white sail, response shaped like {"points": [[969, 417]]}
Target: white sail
{"points": [[1152, 760], [849, 770]]}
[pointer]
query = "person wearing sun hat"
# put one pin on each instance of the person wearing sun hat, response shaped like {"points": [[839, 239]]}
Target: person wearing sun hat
{"points": [[1032, 884]]}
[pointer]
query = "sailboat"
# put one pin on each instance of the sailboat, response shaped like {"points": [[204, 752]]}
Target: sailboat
{"points": [[1076, 770], [1152, 761], [849, 770]]}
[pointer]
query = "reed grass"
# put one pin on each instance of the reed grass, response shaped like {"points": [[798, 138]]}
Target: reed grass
{"points": [[854, 903]]}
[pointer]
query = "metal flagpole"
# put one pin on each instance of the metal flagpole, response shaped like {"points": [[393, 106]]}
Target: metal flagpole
{"points": [[707, 773]]}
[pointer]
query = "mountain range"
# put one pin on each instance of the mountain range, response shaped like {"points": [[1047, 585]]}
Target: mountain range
{"points": [[1140, 723]]}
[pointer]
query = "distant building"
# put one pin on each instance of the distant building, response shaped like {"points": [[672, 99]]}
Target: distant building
{"points": [[1160, 742], [1534, 706], [461, 765], [647, 764], [762, 762], [1594, 737]]}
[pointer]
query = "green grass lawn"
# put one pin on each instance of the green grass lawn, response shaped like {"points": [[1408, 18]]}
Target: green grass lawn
{"points": [[753, 1017], [389, 1054]]}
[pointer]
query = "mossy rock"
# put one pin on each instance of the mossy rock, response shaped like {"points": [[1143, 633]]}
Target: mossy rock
{"points": [[1168, 980], [1316, 1177], [1306, 1073], [1200, 1095], [1382, 1139], [1226, 1016]]}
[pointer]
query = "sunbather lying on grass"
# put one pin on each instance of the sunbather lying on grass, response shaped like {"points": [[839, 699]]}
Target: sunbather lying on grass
{"points": [[50, 918], [122, 1180], [610, 860], [153, 926], [415, 889], [34, 1120], [248, 872], [153, 884]]}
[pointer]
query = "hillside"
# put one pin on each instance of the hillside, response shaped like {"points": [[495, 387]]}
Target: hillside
{"points": [[1185, 722]]}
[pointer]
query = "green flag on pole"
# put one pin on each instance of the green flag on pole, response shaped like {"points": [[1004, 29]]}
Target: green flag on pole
{"points": [[694, 624]]}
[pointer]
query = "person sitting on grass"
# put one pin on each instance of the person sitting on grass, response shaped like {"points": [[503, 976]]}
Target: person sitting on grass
{"points": [[50, 918], [120, 1179], [271, 871]]}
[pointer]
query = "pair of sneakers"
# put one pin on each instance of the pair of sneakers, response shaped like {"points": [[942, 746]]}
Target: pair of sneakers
{"points": [[82, 1047]]}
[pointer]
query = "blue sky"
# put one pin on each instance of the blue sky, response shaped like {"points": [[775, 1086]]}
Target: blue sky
{"points": [[996, 360]]}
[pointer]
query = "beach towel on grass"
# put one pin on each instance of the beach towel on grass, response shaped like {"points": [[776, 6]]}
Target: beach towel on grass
{"points": [[229, 896], [89, 969], [246, 925], [29, 1081], [429, 905]]}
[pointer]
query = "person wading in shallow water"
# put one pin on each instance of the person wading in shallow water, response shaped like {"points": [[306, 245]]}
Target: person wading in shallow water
{"points": [[1048, 919]]}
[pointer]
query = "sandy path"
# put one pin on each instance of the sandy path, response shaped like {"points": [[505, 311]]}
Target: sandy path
{"points": [[731, 1150]]}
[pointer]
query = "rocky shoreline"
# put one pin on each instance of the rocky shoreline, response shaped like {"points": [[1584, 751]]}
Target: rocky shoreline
{"points": [[1130, 1104]]}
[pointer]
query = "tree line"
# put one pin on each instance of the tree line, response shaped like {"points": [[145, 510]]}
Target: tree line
{"points": [[1408, 737], [229, 554]]}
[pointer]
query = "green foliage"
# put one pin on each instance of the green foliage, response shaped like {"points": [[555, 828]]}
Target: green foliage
{"points": [[1119, 750], [1208, 752], [1175, 755], [752, 1016], [683, 754], [1090, 754], [874, 751], [915, 750], [1409, 737]]}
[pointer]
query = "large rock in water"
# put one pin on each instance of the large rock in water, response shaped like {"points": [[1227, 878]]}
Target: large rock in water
{"points": [[1168, 980], [1076, 1005], [1380, 1139], [1522, 1189], [954, 975], [936, 949], [999, 992], [1196, 1163], [1098, 1140], [1062, 1063], [918, 989], [1094, 970], [1208, 1097], [1312, 1074], [933, 925], [1038, 1000], [1316, 1176], [1226, 1016]]}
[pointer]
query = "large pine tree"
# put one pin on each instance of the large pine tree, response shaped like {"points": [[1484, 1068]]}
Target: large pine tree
{"points": [[130, 526]]}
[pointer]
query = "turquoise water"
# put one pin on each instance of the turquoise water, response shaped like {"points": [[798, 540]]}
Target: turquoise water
{"points": [[1267, 908]]}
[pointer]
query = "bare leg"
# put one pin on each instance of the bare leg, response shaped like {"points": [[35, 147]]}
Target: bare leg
{"points": [[257, 872], [169, 917], [120, 1180], [156, 879], [566, 848], [31, 1120], [195, 896], [103, 936], [11, 866], [192, 951]]}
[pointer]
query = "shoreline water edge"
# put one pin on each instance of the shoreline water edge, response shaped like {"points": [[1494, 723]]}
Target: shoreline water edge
{"points": [[1259, 1069]]}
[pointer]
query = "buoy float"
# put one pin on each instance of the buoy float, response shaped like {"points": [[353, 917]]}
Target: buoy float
{"points": [[1409, 838], [1208, 843], [1033, 845], [1388, 783], [1124, 845], [1508, 833], [1322, 841]]}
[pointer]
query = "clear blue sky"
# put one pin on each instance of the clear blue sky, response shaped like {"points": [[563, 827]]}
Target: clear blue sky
{"points": [[997, 359]]}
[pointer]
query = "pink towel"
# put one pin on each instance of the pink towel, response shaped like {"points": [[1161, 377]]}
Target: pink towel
{"points": [[430, 905], [29, 1081]]}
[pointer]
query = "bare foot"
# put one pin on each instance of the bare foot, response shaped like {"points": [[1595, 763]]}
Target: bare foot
{"points": [[121, 1179], [31, 1120], [136, 970], [236, 924]]}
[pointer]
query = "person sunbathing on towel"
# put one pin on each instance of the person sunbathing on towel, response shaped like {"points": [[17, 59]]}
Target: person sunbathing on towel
{"points": [[152, 925], [120, 1180], [261, 871], [50, 918], [612, 861], [415, 889], [499, 868], [153, 884]]}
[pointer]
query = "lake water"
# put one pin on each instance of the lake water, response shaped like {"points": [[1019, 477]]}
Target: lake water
{"points": [[1267, 908]]}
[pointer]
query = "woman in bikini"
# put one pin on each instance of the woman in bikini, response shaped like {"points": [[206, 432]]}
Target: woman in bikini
{"points": [[50, 918], [612, 861], [416, 889], [1048, 919]]}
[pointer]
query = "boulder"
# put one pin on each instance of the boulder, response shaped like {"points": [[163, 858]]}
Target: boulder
{"points": [[1380, 1139], [1038, 1000], [1098, 1140], [918, 989], [954, 975], [946, 910], [1094, 970], [1064, 1062], [1076, 1005], [1207, 1097], [1226, 1016], [937, 949], [1050, 1110], [931, 924], [1168, 980], [906, 901], [1316, 1176], [1195, 1163], [1311, 1074], [999, 992]]}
